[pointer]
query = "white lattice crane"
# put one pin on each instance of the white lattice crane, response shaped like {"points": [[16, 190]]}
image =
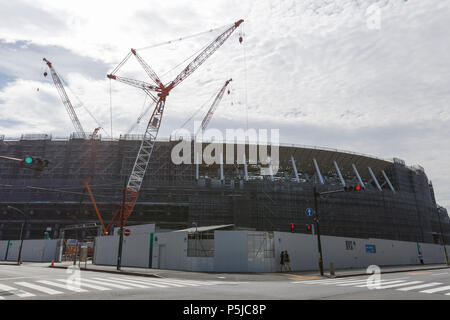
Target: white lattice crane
{"points": [[79, 131], [212, 109]]}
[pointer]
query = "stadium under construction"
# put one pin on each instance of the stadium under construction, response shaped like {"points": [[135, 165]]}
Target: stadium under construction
{"points": [[397, 203], [89, 180]]}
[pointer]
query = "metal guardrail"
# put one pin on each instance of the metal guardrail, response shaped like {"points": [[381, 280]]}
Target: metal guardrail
{"points": [[33, 136]]}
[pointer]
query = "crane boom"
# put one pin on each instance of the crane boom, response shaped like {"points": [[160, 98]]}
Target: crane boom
{"points": [[151, 132], [66, 101], [205, 54], [213, 108]]}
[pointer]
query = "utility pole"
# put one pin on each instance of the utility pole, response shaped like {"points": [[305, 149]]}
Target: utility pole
{"points": [[316, 221], [119, 254]]}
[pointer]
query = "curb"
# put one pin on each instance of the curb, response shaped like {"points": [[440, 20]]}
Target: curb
{"points": [[128, 273], [388, 271]]}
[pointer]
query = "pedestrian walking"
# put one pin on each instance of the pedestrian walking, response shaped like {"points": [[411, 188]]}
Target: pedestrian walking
{"points": [[287, 260], [420, 256], [281, 261]]}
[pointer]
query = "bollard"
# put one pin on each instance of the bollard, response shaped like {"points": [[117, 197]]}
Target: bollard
{"points": [[332, 269]]}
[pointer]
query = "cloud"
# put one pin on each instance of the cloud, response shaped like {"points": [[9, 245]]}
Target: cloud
{"points": [[23, 60]]}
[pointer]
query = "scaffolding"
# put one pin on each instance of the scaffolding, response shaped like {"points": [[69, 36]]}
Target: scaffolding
{"points": [[175, 196]]}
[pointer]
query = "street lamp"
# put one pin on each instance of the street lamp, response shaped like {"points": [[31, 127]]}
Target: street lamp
{"points": [[19, 258]]}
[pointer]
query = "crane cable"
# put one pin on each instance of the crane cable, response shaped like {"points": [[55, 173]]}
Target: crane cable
{"points": [[110, 108], [181, 38], [198, 110], [245, 78], [80, 102]]}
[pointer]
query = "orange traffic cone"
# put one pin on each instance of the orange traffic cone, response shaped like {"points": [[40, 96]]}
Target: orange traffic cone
{"points": [[53, 263]]}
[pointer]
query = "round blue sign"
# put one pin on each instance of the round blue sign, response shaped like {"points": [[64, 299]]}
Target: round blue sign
{"points": [[309, 212]]}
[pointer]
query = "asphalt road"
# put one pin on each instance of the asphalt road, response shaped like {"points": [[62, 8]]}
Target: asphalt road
{"points": [[34, 281]]}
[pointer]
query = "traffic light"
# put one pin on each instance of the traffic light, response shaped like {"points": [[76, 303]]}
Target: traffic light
{"points": [[309, 228], [292, 227], [356, 187], [34, 163]]}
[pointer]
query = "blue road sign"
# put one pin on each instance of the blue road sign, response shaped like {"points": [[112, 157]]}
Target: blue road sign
{"points": [[370, 248], [309, 212]]}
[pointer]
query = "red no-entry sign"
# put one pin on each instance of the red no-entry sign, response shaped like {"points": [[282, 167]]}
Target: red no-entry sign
{"points": [[126, 232]]}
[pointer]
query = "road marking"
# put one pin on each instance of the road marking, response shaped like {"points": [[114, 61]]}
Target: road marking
{"points": [[38, 288], [15, 278], [426, 285], [154, 282], [354, 283], [62, 286], [296, 277], [399, 284], [418, 273], [446, 288], [329, 280], [120, 282], [17, 292], [191, 283], [147, 282], [113, 285], [372, 283], [439, 274], [384, 283], [87, 285], [344, 282]]}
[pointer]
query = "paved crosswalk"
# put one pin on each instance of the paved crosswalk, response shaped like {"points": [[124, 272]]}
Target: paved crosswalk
{"points": [[54, 287], [401, 284]]}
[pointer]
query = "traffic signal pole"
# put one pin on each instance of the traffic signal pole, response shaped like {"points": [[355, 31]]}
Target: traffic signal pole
{"points": [[316, 217], [316, 220]]}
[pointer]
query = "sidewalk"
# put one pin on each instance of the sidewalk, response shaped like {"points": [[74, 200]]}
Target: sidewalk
{"points": [[300, 275]]}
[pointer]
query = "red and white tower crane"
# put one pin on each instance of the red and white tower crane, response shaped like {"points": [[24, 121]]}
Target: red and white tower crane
{"points": [[151, 132], [79, 131]]}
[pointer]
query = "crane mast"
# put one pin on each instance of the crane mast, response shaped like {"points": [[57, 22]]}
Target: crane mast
{"points": [[151, 132], [79, 131], [212, 109]]}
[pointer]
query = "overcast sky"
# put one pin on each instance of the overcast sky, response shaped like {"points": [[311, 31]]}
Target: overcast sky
{"points": [[370, 76]]}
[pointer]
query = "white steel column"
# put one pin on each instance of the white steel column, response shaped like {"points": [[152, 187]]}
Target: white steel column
{"points": [[374, 178], [388, 181], [196, 167], [295, 169], [245, 168], [318, 171], [270, 168], [339, 173], [358, 176], [221, 168]]}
